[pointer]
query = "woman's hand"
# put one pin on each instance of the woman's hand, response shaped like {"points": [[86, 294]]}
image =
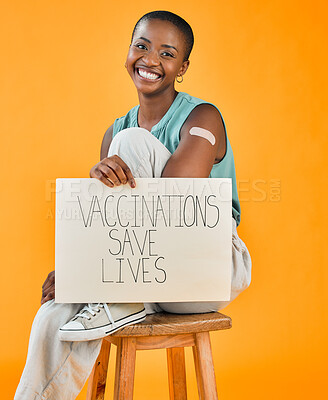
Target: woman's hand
{"points": [[112, 171], [48, 288]]}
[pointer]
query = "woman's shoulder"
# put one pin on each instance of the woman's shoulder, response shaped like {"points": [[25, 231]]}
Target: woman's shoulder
{"points": [[186, 97], [201, 109], [196, 106]]}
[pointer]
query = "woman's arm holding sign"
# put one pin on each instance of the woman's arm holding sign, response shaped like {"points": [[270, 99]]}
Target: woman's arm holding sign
{"points": [[112, 171]]}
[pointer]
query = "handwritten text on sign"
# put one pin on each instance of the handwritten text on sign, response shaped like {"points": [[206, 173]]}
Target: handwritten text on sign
{"points": [[168, 239]]}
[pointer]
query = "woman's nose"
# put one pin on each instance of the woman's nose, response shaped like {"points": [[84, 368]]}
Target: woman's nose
{"points": [[151, 58]]}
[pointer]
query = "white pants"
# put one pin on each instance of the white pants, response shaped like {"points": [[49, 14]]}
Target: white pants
{"points": [[56, 370]]}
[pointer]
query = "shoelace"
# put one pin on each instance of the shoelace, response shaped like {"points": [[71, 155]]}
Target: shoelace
{"points": [[93, 308]]}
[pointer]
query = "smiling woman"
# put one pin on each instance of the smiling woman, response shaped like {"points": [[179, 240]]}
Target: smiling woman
{"points": [[158, 54], [169, 134]]}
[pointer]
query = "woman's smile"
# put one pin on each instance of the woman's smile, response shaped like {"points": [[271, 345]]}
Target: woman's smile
{"points": [[147, 74]]}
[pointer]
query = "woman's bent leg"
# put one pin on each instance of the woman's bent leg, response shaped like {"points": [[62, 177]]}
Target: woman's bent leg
{"points": [[55, 370]]}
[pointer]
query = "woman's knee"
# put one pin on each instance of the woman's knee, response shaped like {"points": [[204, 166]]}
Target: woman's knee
{"points": [[130, 138], [143, 153], [132, 146]]}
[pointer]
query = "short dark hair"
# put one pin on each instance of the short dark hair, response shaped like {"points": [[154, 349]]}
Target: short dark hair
{"points": [[179, 22]]}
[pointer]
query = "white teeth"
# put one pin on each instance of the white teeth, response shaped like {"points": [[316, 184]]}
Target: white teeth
{"points": [[147, 75]]}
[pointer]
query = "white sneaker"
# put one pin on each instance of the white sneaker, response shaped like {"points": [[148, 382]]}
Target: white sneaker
{"points": [[97, 320]]}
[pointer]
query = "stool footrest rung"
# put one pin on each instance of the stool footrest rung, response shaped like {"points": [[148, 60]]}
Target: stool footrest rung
{"points": [[159, 342]]}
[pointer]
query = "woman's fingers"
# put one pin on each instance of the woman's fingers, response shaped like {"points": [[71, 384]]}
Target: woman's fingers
{"points": [[113, 171], [48, 292], [121, 168], [129, 175], [49, 281], [49, 296], [99, 175], [48, 288]]}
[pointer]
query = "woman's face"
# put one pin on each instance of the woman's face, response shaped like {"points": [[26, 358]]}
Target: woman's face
{"points": [[156, 56]]}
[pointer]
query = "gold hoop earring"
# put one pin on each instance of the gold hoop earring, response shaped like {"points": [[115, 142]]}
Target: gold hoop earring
{"points": [[181, 80]]}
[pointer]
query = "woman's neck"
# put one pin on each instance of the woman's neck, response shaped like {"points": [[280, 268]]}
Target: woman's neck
{"points": [[153, 108]]}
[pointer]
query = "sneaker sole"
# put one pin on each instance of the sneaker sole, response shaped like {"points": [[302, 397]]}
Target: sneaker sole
{"points": [[99, 333]]}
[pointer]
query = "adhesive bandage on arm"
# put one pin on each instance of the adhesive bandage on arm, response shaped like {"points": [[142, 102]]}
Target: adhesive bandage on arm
{"points": [[204, 133]]}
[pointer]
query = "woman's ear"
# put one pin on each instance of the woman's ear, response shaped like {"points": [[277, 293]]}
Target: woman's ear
{"points": [[184, 67]]}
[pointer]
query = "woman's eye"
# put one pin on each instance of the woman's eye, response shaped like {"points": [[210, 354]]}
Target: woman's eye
{"points": [[165, 53], [141, 46]]}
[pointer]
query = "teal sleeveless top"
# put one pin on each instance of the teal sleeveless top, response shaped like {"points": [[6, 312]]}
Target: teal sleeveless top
{"points": [[167, 130]]}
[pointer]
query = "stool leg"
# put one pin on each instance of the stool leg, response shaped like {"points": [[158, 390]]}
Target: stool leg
{"points": [[97, 380], [204, 367], [177, 373], [124, 372], [198, 376]]}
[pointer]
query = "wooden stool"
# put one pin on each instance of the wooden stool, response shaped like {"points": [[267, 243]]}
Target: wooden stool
{"points": [[161, 331]]}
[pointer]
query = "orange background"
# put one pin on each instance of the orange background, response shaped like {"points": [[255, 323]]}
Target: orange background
{"points": [[264, 64]]}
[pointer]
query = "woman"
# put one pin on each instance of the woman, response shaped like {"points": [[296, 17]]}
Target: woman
{"points": [[169, 134]]}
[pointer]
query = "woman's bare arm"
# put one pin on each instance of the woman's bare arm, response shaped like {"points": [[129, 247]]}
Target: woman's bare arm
{"points": [[195, 156], [107, 140]]}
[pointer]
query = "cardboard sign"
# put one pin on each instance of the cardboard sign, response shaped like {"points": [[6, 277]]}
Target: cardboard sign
{"points": [[167, 239]]}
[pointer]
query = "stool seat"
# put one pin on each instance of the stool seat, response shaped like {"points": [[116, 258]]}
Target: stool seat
{"points": [[167, 331], [173, 324]]}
